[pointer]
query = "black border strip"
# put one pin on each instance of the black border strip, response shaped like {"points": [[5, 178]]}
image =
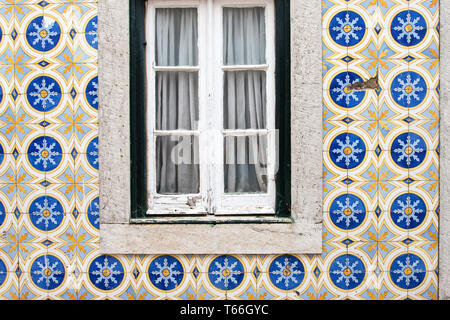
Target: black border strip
{"points": [[138, 165]]}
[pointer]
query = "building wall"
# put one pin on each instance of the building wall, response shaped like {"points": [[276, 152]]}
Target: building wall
{"points": [[49, 245]]}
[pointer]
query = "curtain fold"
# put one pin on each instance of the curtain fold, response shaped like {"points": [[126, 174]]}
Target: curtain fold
{"points": [[244, 43], [176, 101]]}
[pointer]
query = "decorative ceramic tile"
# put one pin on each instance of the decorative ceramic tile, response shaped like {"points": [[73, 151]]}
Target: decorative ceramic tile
{"points": [[380, 162]]}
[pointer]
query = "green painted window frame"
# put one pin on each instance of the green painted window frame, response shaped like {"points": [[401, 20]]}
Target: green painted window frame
{"points": [[138, 170]]}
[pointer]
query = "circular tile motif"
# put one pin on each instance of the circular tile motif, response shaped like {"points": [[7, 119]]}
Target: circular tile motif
{"points": [[47, 272], [92, 153], [226, 272], [43, 33], [44, 153], [347, 28], [44, 93], [91, 92], [347, 151], [408, 28], [286, 272], [106, 272], [166, 272], [408, 211], [408, 150], [341, 95], [408, 89], [347, 272], [90, 33], [407, 271], [2, 213], [93, 213], [347, 211], [46, 213], [3, 272]]}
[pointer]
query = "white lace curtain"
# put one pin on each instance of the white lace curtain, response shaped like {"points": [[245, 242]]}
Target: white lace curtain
{"points": [[177, 104]]}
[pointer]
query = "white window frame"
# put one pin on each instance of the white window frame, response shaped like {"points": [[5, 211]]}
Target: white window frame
{"points": [[211, 198]]}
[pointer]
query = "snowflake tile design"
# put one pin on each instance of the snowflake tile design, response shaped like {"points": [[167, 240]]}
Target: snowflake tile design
{"points": [[409, 89], [408, 211], [347, 150], [44, 153], [106, 272], [166, 273], [46, 213], [286, 272], [44, 93], [43, 33], [408, 28], [341, 95], [347, 211], [91, 33], [347, 28], [47, 272], [407, 271], [408, 150], [347, 272], [226, 272]]}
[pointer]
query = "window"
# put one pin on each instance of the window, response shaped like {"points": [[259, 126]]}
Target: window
{"points": [[141, 210], [211, 107]]}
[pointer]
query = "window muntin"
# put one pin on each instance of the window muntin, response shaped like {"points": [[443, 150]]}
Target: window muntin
{"points": [[212, 61]]}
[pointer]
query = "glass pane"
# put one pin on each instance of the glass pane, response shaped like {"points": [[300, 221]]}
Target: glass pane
{"points": [[244, 100], [176, 100], [176, 37], [177, 165], [244, 36], [245, 168]]}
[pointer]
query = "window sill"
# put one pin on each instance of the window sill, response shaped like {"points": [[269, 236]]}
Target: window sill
{"points": [[211, 220]]}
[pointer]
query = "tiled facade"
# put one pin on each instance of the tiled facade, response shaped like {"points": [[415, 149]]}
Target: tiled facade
{"points": [[380, 153]]}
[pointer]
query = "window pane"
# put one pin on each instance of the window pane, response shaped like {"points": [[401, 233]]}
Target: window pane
{"points": [[176, 100], [177, 169], [245, 168], [244, 100], [244, 36], [176, 37]]}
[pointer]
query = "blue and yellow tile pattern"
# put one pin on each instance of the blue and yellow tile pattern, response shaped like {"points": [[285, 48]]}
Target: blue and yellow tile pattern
{"points": [[380, 169]]}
